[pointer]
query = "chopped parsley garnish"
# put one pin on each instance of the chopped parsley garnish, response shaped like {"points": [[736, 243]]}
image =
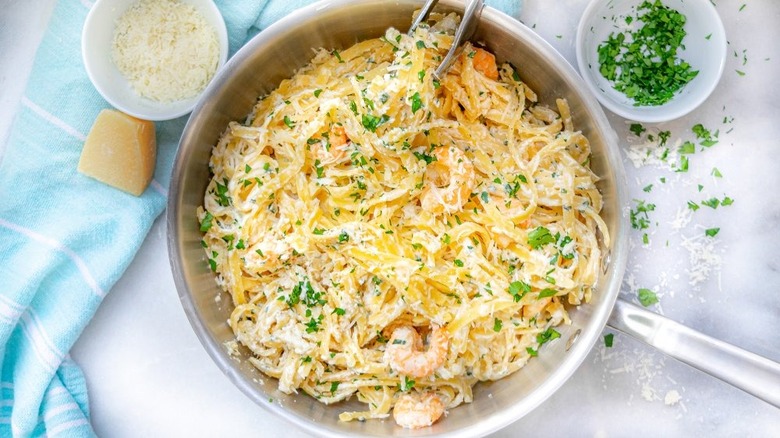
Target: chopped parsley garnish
{"points": [[608, 339], [313, 326], [317, 92], [643, 63], [424, 157], [407, 384], [544, 293], [289, 122], [223, 199], [716, 173], [711, 203], [421, 75], [319, 169], [372, 122], [640, 219], [703, 134], [687, 148], [531, 352], [458, 263], [334, 386], [240, 244], [343, 237], [497, 324], [518, 289], [205, 225], [647, 297], [711, 231], [337, 55], [420, 44], [693, 206], [416, 102], [637, 129], [683, 166], [339, 311], [547, 336], [318, 231], [726, 201], [295, 295], [539, 237]]}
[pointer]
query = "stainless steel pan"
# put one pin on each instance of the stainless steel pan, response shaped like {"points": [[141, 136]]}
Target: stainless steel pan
{"points": [[274, 55]]}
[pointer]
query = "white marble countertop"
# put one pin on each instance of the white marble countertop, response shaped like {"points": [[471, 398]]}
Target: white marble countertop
{"points": [[149, 376]]}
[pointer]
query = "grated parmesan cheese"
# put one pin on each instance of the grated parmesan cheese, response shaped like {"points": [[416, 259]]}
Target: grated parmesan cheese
{"points": [[166, 49]]}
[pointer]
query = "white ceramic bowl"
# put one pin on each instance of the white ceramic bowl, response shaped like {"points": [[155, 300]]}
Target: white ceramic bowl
{"points": [[704, 49], [97, 38]]}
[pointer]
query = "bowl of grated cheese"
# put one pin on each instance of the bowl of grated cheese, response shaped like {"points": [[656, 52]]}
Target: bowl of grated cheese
{"points": [[153, 59]]}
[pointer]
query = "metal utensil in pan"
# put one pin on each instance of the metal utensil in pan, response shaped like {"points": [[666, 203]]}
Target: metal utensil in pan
{"points": [[468, 25], [275, 54]]}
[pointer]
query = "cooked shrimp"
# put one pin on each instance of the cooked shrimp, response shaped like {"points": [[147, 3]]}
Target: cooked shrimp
{"points": [[414, 411], [330, 149], [405, 352], [450, 180], [485, 63]]}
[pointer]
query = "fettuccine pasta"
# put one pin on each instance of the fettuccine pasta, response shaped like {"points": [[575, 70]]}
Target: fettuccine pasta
{"points": [[385, 234]]}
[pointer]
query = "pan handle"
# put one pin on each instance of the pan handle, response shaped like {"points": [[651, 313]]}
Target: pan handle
{"points": [[747, 371]]}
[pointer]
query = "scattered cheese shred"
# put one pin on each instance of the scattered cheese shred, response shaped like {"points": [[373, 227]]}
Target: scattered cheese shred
{"points": [[166, 49]]}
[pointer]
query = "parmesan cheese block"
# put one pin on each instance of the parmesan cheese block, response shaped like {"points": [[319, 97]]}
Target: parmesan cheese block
{"points": [[120, 151]]}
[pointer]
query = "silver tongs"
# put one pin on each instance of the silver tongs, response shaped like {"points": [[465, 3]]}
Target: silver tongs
{"points": [[468, 25]]}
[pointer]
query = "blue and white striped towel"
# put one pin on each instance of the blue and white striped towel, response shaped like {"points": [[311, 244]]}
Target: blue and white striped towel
{"points": [[65, 239]]}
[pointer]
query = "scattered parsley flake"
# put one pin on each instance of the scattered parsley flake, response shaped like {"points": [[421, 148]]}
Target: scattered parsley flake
{"points": [[539, 237], [205, 225], [547, 336], [608, 340], [711, 231], [647, 297], [711, 203], [416, 102], [518, 289], [637, 129]]}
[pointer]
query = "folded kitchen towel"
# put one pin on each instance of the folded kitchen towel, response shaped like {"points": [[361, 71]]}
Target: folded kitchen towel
{"points": [[65, 238]]}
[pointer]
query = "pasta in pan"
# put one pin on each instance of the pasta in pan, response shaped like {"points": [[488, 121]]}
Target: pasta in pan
{"points": [[396, 237]]}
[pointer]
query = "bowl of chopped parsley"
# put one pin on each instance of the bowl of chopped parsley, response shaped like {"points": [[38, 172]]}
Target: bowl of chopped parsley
{"points": [[651, 60]]}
